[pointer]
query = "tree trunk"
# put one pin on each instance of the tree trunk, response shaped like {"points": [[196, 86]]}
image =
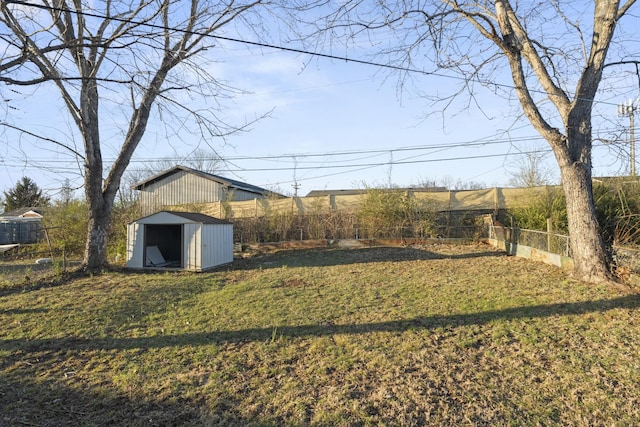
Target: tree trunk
{"points": [[587, 246], [100, 205], [95, 252]]}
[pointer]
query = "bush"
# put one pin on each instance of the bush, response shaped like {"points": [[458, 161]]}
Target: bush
{"points": [[549, 203], [617, 208], [394, 211], [617, 203], [66, 224]]}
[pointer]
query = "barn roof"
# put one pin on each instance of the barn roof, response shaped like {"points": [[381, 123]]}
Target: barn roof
{"points": [[232, 183]]}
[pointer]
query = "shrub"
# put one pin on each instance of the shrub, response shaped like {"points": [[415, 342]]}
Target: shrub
{"points": [[617, 203], [549, 203], [66, 224], [394, 211]]}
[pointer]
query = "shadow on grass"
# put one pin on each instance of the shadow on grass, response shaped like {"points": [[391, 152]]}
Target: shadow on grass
{"points": [[265, 334], [46, 277], [51, 402], [324, 257]]}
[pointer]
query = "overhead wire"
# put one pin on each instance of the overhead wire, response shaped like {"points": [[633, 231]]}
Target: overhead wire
{"points": [[282, 157], [270, 46]]}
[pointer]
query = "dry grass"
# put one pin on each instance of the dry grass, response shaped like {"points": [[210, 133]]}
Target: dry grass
{"points": [[456, 335]]}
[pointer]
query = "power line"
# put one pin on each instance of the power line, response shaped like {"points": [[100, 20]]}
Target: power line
{"points": [[281, 158], [234, 40], [284, 157], [272, 46]]}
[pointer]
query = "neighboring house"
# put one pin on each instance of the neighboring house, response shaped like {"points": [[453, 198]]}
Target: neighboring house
{"points": [[20, 226], [181, 185]]}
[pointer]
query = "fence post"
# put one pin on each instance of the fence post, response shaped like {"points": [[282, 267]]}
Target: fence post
{"points": [[549, 234]]}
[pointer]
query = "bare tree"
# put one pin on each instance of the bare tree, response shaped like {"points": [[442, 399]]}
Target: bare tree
{"points": [[531, 170], [200, 159], [112, 62], [549, 55]]}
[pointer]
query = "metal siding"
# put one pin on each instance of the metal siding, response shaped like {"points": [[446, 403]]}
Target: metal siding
{"points": [[226, 251], [191, 247], [239, 196], [218, 245], [135, 240], [179, 189], [189, 188], [209, 241]]}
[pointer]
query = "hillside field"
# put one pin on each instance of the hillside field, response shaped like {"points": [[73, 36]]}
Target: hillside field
{"points": [[410, 336]]}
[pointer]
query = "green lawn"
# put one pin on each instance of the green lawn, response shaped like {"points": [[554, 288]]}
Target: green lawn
{"points": [[456, 335]]}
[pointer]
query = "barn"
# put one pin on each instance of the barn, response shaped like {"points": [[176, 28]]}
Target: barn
{"points": [[181, 185], [179, 240]]}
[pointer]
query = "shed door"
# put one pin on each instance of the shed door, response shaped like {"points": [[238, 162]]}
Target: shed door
{"points": [[167, 238]]}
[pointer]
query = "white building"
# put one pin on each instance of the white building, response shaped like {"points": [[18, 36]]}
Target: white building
{"points": [[179, 240]]}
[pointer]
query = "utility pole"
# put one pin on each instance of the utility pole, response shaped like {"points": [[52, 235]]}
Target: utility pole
{"points": [[629, 109], [295, 184]]}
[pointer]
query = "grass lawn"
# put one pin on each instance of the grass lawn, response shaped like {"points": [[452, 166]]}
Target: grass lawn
{"points": [[433, 335]]}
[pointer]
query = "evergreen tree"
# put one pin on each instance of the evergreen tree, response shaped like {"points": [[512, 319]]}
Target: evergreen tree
{"points": [[25, 194]]}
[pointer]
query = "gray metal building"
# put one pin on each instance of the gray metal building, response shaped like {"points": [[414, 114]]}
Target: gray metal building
{"points": [[181, 185]]}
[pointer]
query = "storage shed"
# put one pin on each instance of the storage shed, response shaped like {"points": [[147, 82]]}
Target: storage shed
{"points": [[20, 226], [179, 240]]}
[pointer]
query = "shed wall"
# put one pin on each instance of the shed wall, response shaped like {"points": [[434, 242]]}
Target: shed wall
{"points": [[193, 247], [217, 244], [178, 189], [19, 231], [135, 240]]}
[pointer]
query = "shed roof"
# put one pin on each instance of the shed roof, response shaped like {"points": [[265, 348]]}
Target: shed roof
{"points": [[201, 218], [28, 212], [232, 183], [190, 216]]}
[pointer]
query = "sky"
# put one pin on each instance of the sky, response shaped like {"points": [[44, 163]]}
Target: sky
{"points": [[333, 125]]}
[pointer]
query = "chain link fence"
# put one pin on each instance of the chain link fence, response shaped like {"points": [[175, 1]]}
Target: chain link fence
{"points": [[541, 240], [260, 231]]}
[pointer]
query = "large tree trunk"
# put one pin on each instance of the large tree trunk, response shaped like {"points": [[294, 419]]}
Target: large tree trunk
{"points": [[573, 149], [100, 204], [95, 252], [587, 247], [574, 158]]}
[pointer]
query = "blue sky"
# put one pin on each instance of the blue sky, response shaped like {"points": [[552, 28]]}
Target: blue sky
{"points": [[334, 124], [333, 121]]}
